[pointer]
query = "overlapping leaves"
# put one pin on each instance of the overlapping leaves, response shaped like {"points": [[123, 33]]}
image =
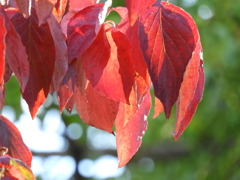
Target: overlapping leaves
{"points": [[103, 68]]}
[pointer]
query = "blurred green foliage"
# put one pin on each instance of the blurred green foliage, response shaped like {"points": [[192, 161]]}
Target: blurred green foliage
{"points": [[209, 149]]}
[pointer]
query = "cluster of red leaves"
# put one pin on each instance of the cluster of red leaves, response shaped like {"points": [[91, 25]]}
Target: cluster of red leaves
{"points": [[15, 161], [105, 69]]}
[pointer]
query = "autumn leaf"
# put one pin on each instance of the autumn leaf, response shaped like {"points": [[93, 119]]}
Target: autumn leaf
{"points": [[76, 5], [191, 92], [24, 7], [61, 62], [131, 124], [167, 38], [136, 7], [14, 169], [94, 108], [139, 65], [107, 63], [40, 50], [15, 53], [2, 59], [67, 86], [44, 9], [82, 29], [11, 138], [60, 8], [158, 108]]}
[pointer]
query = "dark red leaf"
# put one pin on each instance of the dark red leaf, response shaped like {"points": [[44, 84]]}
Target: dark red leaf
{"points": [[44, 9], [136, 7], [82, 29], [168, 37], [24, 7], [131, 124], [40, 49], [11, 138], [77, 5], [61, 63], [94, 108], [108, 64], [2, 58], [190, 93]]}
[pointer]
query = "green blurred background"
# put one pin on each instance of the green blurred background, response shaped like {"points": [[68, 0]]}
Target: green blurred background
{"points": [[209, 149]]}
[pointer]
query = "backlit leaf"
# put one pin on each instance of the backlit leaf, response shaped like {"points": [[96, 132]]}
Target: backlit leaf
{"points": [[167, 36], [78, 5], [2, 58], [131, 124], [82, 29], [94, 108], [107, 63], [24, 7], [40, 50], [11, 138], [44, 9], [136, 7], [190, 93], [158, 108], [61, 63], [15, 54]]}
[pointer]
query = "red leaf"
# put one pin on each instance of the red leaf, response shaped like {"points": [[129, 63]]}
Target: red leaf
{"points": [[16, 56], [61, 63], [136, 7], [24, 7], [158, 108], [93, 108], [82, 29], [139, 65], [11, 138], [68, 84], [107, 63], [190, 93], [40, 49], [168, 39], [2, 59], [44, 9], [131, 124], [78, 5]]}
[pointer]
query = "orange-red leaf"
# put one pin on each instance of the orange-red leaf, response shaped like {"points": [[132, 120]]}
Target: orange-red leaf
{"points": [[44, 9], [131, 124], [167, 35], [190, 93], [94, 108], [108, 64], [40, 50], [136, 7], [158, 108], [11, 138]]}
